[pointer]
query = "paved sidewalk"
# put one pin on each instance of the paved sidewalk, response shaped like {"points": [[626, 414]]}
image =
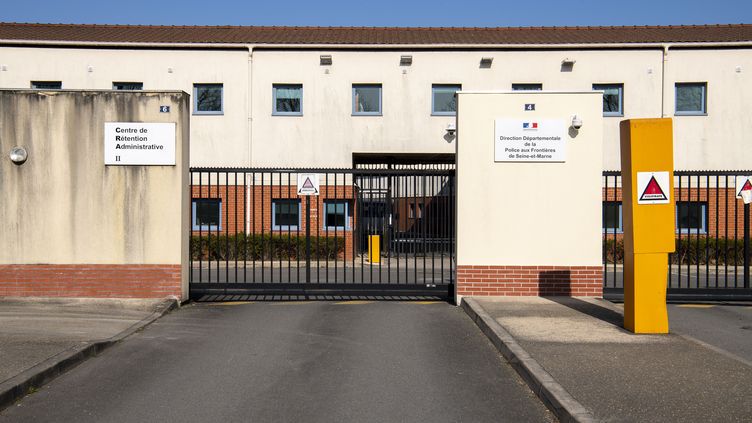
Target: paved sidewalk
{"points": [[585, 359], [41, 338]]}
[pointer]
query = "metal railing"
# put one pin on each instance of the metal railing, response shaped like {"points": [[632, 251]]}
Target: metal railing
{"points": [[712, 258]]}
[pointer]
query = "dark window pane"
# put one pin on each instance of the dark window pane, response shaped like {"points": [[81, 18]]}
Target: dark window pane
{"points": [[690, 215], [127, 85], [612, 101], [367, 98], [527, 87], [288, 98], [209, 98], [46, 85], [690, 98], [611, 215], [207, 212], [444, 99], [286, 213], [336, 214]]}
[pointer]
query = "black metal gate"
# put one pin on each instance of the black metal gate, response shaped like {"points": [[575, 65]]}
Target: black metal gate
{"points": [[253, 235], [712, 258]]}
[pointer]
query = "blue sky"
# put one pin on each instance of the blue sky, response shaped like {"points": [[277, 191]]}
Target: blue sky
{"points": [[380, 13]]}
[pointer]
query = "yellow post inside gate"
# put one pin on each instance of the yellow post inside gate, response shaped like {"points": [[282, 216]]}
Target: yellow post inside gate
{"points": [[649, 221], [374, 248]]}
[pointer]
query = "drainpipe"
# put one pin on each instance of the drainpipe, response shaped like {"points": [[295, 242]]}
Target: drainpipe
{"points": [[249, 105], [663, 78]]}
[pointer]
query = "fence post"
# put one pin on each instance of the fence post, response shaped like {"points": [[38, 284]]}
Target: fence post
{"points": [[308, 239], [746, 246]]}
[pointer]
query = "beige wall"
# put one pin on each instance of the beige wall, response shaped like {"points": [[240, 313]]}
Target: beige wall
{"points": [[64, 206], [528, 214], [326, 135]]}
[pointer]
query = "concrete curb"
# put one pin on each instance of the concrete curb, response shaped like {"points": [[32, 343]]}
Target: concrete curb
{"points": [[553, 395], [18, 386]]}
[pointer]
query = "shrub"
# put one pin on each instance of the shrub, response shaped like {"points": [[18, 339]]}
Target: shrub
{"points": [[268, 246], [722, 251]]}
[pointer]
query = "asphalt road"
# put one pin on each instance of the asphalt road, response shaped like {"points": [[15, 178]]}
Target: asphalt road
{"points": [[293, 361], [725, 326]]}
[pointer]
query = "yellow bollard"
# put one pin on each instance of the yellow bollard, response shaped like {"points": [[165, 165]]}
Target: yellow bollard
{"points": [[647, 165], [374, 248]]}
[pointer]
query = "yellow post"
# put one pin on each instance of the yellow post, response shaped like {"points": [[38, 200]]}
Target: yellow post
{"points": [[374, 248], [647, 164]]}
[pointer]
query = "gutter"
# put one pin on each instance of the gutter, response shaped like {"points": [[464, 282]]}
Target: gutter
{"points": [[252, 46], [249, 109]]}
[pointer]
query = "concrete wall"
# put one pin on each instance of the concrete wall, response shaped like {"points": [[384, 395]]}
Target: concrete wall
{"points": [[327, 135], [517, 222], [65, 208]]}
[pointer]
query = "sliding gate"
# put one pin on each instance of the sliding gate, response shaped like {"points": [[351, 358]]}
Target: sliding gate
{"points": [[366, 232]]}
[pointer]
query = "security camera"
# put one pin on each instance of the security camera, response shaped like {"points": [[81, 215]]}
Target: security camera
{"points": [[451, 129], [576, 122]]}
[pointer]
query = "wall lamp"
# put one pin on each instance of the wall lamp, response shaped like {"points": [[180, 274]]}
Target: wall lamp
{"points": [[485, 62], [406, 60], [325, 60]]}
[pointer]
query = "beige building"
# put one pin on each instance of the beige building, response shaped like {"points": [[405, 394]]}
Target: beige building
{"points": [[328, 97]]}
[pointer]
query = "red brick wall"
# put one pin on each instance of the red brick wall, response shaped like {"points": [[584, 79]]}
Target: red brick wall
{"points": [[575, 281], [90, 280]]}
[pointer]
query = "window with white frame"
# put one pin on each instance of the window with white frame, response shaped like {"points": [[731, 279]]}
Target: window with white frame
{"points": [[691, 216], [612, 217], [366, 99], [288, 99], [46, 85], [207, 214], [691, 98], [444, 99], [336, 214], [127, 86], [285, 214], [527, 87], [207, 99], [613, 98]]}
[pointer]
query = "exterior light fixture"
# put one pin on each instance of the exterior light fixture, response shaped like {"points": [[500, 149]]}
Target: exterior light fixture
{"points": [[18, 155], [90, 68], [406, 60], [568, 62], [325, 60], [485, 62]]}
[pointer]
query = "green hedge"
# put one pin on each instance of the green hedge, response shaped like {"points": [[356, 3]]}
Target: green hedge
{"points": [[267, 246], [694, 251]]}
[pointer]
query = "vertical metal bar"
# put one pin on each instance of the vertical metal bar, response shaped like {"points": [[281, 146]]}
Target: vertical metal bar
{"points": [[707, 232], [616, 191], [200, 230], [605, 237], [717, 210], [322, 215], [280, 234], [235, 187], [452, 226], [424, 229], [308, 239], [746, 246], [246, 235], [380, 211], [355, 229], [289, 229], [726, 228], [227, 229], [261, 216], [253, 225], [679, 247], [736, 240], [297, 232], [317, 233], [432, 223], [416, 229]]}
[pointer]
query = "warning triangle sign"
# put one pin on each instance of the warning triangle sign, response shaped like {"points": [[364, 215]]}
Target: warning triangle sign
{"points": [[747, 186], [308, 187], [653, 191]]}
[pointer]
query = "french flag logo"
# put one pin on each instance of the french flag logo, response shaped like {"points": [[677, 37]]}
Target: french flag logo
{"points": [[530, 125]]}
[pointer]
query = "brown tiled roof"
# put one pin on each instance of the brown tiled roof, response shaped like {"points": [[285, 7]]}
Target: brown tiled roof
{"points": [[379, 35]]}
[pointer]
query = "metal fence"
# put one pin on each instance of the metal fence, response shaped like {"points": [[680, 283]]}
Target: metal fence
{"points": [[251, 233], [712, 258]]}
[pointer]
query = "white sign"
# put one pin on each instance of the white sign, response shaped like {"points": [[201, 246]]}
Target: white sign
{"points": [[742, 182], [653, 188], [518, 140], [308, 184], [135, 143]]}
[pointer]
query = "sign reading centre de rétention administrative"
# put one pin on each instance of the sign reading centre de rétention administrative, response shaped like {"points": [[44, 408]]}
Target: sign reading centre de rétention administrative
{"points": [[135, 143], [520, 140]]}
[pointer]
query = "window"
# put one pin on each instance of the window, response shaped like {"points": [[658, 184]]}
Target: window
{"points": [[285, 215], [691, 217], [691, 98], [288, 99], [366, 99], [127, 86], [612, 217], [527, 87], [46, 85], [207, 99], [336, 214], [613, 98], [444, 100], [207, 214]]}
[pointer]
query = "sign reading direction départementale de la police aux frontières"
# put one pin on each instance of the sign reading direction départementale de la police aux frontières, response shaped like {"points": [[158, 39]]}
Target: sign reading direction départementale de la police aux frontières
{"points": [[136, 143], [531, 140]]}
